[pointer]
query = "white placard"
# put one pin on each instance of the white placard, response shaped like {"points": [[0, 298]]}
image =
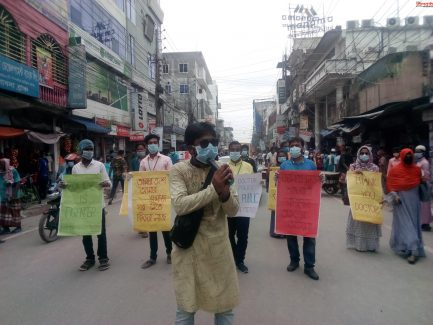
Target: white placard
{"points": [[249, 188]]}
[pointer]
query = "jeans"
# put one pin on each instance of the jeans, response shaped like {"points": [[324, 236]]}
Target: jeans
{"points": [[116, 181], [153, 239], [102, 244], [185, 318], [309, 250], [238, 227]]}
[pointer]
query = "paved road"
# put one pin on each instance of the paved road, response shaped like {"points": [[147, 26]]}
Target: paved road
{"points": [[40, 284]]}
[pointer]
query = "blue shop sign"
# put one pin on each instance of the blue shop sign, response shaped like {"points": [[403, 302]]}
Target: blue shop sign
{"points": [[18, 78]]}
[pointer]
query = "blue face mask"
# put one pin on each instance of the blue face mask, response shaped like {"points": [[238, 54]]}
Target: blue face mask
{"points": [[205, 154], [364, 157], [153, 148], [244, 153], [286, 149], [87, 154], [70, 164], [281, 159], [235, 156], [295, 152], [418, 155]]}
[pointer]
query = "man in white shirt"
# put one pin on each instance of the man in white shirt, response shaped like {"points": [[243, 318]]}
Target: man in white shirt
{"points": [[156, 161], [90, 166]]}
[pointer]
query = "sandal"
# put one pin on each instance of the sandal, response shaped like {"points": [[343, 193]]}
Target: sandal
{"points": [[148, 264], [87, 265]]}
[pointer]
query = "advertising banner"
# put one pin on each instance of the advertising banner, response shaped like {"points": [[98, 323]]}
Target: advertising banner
{"points": [[81, 206], [77, 97], [365, 196], [149, 203], [45, 67], [298, 203], [140, 112], [249, 188]]}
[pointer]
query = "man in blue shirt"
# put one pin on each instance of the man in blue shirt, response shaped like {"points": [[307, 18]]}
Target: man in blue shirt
{"points": [[298, 162]]}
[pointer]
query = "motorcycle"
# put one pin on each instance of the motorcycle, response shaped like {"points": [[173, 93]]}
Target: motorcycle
{"points": [[49, 221], [331, 183]]}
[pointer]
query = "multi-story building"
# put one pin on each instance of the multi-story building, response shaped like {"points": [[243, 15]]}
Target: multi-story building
{"points": [[264, 124]]}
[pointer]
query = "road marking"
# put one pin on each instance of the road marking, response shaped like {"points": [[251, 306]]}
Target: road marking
{"points": [[389, 228], [20, 234]]}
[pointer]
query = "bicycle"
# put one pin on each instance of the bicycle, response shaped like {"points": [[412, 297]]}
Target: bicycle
{"points": [[29, 192]]}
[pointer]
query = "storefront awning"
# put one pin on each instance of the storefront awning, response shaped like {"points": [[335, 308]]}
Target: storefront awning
{"points": [[50, 138], [90, 125], [8, 132]]}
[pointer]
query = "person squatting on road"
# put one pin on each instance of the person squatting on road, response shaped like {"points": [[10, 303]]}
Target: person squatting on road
{"points": [[239, 226], [156, 161], [88, 165], [363, 236], [298, 162], [204, 274]]}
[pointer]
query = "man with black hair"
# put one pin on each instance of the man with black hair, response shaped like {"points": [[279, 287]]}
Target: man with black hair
{"points": [[239, 226], [298, 162], [245, 157], [155, 161], [205, 273], [118, 169]]}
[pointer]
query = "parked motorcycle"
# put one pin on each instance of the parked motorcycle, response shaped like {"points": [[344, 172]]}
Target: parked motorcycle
{"points": [[49, 221], [331, 183]]}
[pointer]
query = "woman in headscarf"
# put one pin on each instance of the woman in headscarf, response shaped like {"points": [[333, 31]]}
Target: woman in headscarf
{"points": [[10, 207], [403, 184], [422, 162], [363, 236]]}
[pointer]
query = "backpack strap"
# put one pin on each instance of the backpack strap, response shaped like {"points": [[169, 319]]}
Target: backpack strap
{"points": [[209, 177]]}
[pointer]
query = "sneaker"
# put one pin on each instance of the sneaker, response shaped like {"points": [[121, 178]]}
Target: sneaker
{"points": [[311, 273], [242, 267], [148, 264], [87, 265], [292, 266], [103, 265], [411, 259], [168, 259]]}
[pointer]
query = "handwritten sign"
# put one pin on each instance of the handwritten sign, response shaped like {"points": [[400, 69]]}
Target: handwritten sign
{"points": [[149, 201], [272, 191], [365, 195], [298, 203], [249, 188], [124, 205], [81, 206]]}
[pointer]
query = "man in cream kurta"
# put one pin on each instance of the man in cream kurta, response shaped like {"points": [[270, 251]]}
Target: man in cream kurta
{"points": [[204, 275]]}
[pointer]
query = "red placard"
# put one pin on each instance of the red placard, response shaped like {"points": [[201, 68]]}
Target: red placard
{"points": [[298, 203]]}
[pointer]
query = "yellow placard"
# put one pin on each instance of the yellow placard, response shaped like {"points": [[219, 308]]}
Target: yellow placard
{"points": [[365, 196], [149, 201], [272, 192], [124, 205]]}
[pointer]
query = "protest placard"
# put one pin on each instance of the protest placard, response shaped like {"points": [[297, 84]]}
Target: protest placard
{"points": [[249, 188], [272, 191], [298, 203], [81, 206], [365, 196], [149, 203], [124, 205]]}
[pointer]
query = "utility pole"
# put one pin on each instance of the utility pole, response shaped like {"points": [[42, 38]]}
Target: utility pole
{"points": [[158, 87]]}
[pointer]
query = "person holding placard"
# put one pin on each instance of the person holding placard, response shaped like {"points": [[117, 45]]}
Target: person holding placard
{"points": [[363, 236], [403, 184], [155, 161], [281, 157], [239, 226], [298, 162], [88, 165]]}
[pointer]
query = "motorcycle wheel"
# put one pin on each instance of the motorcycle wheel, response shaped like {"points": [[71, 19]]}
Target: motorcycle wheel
{"points": [[48, 233], [330, 189]]}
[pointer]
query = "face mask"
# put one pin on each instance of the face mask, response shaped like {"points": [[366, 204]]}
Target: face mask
{"points": [[364, 158], [235, 156], [87, 154], [70, 164], [204, 154], [141, 154], [244, 153], [295, 152], [418, 155], [153, 148], [408, 160], [281, 159]]}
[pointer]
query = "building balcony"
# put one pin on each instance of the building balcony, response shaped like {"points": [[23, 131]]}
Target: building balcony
{"points": [[323, 79], [58, 95]]}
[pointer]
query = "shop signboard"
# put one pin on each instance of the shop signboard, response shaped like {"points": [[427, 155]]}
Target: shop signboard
{"points": [[303, 122], [103, 122], [140, 112], [281, 85], [305, 135], [77, 96], [137, 136], [122, 131], [18, 78], [173, 141]]}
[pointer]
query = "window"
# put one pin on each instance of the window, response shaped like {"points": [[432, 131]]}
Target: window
{"points": [[12, 41], [184, 89], [120, 4], [168, 88], [183, 67], [130, 10], [149, 28], [165, 68], [131, 50]]}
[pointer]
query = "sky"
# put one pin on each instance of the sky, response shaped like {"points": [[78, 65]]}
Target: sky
{"points": [[243, 40]]}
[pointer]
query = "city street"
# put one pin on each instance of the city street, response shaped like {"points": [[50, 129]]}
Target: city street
{"points": [[40, 283]]}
